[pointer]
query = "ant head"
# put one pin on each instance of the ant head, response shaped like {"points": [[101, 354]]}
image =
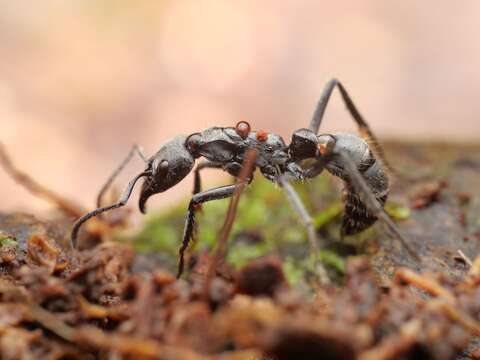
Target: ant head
{"points": [[304, 144], [168, 167]]}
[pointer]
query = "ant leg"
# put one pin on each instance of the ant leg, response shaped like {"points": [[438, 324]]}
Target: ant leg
{"points": [[305, 217], [134, 150], [218, 193], [371, 202], [322, 105], [197, 183], [363, 127], [121, 202], [316, 168]]}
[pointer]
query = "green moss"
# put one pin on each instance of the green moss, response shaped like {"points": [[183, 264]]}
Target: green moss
{"points": [[6, 240], [239, 254], [263, 211], [293, 272], [397, 211], [329, 214], [333, 260]]}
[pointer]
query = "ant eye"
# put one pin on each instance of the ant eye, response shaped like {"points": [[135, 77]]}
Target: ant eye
{"points": [[163, 165], [160, 166], [242, 129], [193, 142]]}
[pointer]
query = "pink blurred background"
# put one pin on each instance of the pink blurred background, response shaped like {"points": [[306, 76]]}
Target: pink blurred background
{"points": [[81, 81]]}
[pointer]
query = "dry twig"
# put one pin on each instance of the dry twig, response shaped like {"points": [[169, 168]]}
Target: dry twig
{"points": [[429, 285], [37, 189], [242, 182]]}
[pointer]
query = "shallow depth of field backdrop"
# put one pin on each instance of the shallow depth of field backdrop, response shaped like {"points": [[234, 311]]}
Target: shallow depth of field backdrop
{"points": [[81, 81]]}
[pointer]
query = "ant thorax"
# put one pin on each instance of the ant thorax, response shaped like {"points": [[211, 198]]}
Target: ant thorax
{"points": [[272, 158]]}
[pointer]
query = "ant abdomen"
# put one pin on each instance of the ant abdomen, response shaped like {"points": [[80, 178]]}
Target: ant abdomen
{"points": [[356, 217]]}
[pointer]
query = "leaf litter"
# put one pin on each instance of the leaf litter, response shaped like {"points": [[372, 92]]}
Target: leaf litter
{"points": [[107, 301]]}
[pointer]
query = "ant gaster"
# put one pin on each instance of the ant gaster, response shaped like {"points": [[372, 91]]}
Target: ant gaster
{"points": [[349, 157]]}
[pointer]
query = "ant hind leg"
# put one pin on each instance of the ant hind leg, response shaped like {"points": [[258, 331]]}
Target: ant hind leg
{"points": [[363, 127]]}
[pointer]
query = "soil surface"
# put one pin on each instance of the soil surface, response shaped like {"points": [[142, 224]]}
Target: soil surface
{"points": [[117, 297]]}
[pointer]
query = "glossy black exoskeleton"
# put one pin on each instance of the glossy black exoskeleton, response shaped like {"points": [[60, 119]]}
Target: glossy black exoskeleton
{"points": [[349, 157]]}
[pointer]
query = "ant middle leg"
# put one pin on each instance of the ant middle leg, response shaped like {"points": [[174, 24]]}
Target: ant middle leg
{"points": [[218, 193], [134, 150]]}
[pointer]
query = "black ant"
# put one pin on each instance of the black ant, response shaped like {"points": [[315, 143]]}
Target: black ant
{"points": [[349, 157]]}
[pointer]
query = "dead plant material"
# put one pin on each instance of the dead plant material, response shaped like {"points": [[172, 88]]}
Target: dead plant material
{"points": [[41, 252], [395, 345], [428, 194], [91, 305], [95, 311], [425, 283], [99, 227], [36, 188], [135, 347], [263, 276], [242, 182]]}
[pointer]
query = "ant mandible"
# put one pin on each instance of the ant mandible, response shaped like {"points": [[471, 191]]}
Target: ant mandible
{"points": [[347, 156]]}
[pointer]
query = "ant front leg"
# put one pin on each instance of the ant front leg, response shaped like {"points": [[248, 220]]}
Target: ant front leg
{"points": [[363, 127], [197, 181], [197, 199], [134, 150], [316, 168], [197, 184]]}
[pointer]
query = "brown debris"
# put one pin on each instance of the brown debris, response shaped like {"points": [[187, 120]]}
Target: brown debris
{"points": [[131, 345], [428, 194], [97, 228], [94, 307], [262, 276], [37, 189], [425, 283], [89, 304], [242, 182], [42, 253]]}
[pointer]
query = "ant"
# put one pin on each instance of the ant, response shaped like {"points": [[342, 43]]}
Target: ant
{"points": [[362, 168]]}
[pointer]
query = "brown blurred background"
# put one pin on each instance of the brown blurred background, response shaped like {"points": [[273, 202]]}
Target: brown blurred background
{"points": [[81, 81]]}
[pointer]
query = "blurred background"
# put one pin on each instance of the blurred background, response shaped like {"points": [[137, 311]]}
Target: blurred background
{"points": [[81, 81]]}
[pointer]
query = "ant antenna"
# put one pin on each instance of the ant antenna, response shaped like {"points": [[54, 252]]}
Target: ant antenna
{"points": [[121, 202]]}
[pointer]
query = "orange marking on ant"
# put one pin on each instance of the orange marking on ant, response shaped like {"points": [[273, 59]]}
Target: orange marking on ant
{"points": [[262, 135]]}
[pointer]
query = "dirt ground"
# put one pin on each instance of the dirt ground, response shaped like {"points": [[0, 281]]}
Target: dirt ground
{"points": [[109, 301]]}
